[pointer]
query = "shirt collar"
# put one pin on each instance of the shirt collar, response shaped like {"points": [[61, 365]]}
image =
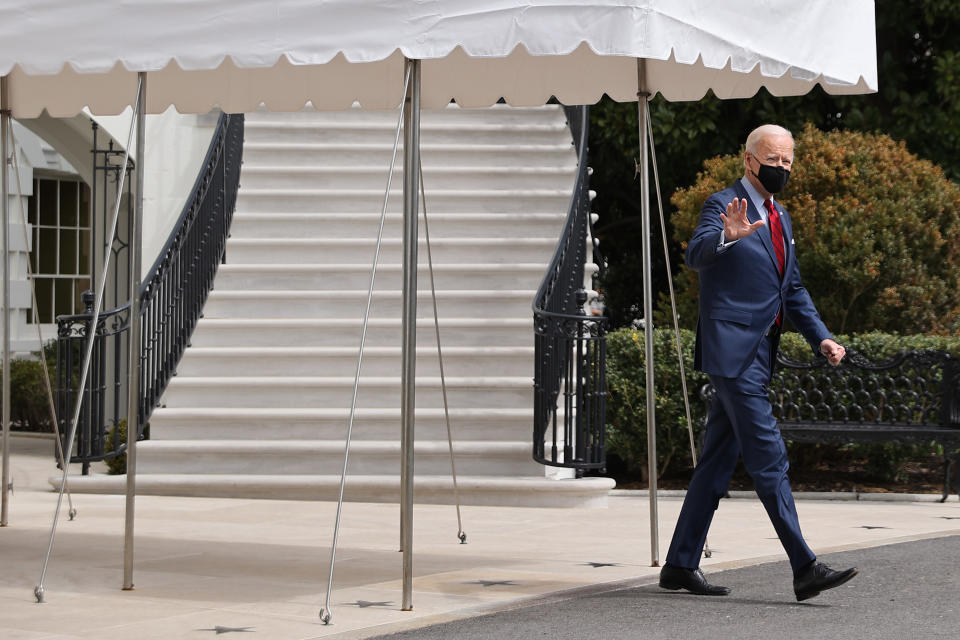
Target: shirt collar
{"points": [[755, 197]]}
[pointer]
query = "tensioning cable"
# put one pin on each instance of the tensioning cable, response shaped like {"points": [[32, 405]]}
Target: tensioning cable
{"points": [[443, 381], [72, 512], [673, 306], [326, 614], [101, 285]]}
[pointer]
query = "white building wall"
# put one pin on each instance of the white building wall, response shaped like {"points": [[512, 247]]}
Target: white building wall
{"points": [[30, 152], [175, 149], [176, 145]]}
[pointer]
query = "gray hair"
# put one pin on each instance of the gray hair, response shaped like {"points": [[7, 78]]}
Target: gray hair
{"points": [[763, 131]]}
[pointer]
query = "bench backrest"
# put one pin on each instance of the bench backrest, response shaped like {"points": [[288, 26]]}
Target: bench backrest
{"points": [[912, 387]]}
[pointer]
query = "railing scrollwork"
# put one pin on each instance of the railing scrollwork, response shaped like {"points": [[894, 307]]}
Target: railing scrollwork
{"points": [[569, 345], [171, 302]]}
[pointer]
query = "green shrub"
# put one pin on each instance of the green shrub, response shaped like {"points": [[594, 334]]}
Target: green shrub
{"points": [[117, 465], [876, 232], [29, 403], [627, 400], [875, 345], [626, 405]]}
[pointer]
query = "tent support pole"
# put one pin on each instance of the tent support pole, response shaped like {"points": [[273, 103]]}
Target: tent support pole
{"points": [[5, 195], [411, 207], [111, 234], [643, 113], [133, 344]]}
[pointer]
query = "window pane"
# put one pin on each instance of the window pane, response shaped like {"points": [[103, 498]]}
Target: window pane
{"points": [[47, 194], [35, 250], [32, 204], [68, 252], [84, 252], [48, 251], [68, 204], [84, 205], [64, 297], [44, 299]]}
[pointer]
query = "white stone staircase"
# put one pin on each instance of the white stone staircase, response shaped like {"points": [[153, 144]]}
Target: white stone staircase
{"points": [[260, 405]]}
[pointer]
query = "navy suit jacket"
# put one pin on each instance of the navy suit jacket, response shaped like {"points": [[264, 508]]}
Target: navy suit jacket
{"points": [[741, 291]]}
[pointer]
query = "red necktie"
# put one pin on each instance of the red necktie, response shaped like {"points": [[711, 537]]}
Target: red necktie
{"points": [[776, 234]]}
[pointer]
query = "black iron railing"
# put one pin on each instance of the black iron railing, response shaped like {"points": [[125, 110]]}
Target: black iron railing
{"points": [[910, 390], [912, 397], [171, 301], [570, 393]]}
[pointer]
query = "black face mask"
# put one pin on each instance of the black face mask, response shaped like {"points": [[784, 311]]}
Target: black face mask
{"points": [[773, 179]]}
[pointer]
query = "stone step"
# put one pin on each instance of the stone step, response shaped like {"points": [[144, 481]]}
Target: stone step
{"points": [[361, 250], [284, 423], [336, 277], [265, 200], [350, 130], [528, 491], [379, 154], [452, 114], [342, 361], [313, 332], [367, 225], [261, 402], [479, 303], [436, 179], [337, 391], [325, 457]]}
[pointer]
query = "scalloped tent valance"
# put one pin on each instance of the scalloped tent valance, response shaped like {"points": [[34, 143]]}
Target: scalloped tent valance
{"points": [[62, 56]]}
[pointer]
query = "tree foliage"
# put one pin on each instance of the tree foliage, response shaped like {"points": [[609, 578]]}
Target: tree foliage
{"points": [[918, 102], [875, 230]]}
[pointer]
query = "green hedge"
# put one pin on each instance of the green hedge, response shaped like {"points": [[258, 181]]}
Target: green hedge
{"points": [[29, 403], [626, 406], [627, 401]]}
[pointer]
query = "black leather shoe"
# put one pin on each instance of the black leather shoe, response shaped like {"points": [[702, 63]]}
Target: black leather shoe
{"points": [[692, 580], [819, 577]]}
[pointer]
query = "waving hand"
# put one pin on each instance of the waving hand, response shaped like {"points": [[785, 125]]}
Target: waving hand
{"points": [[735, 222]]}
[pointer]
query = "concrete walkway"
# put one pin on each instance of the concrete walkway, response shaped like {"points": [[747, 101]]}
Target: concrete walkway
{"points": [[209, 567]]}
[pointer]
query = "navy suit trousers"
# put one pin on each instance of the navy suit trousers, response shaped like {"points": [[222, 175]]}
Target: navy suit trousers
{"points": [[740, 422]]}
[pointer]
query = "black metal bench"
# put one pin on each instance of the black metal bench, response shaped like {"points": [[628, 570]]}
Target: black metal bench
{"points": [[913, 397]]}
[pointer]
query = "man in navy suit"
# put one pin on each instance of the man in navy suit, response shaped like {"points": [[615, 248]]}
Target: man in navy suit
{"points": [[743, 249]]}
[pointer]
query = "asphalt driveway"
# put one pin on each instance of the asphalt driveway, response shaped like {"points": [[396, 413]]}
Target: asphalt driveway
{"points": [[904, 591]]}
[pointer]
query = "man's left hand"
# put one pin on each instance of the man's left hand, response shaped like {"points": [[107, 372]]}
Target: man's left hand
{"points": [[832, 351]]}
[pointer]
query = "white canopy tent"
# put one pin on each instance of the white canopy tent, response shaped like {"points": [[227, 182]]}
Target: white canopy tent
{"points": [[61, 56], [236, 54]]}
